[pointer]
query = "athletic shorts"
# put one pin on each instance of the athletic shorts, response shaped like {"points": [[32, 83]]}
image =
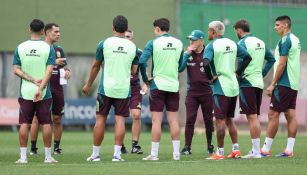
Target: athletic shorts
{"points": [[136, 98], [250, 100], [158, 99], [104, 103], [58, 103], [224, 106], [42, 109], [283, 98]]}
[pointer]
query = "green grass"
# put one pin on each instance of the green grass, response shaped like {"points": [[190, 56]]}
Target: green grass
{"points": [[77, 147]]}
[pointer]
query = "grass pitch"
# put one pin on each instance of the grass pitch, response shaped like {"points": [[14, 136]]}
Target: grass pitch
{"points": [[77, 147]]}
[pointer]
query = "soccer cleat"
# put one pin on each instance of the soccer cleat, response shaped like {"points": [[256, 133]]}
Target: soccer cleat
{"points": [[210, 149], [285, 154], [50, 160], [117, 159], [214, 156], [93, 159], [151, 157], [265, 153], [176, 156], [21, 161], [136, 150], [234, 154], [252, 155], [57, 151], [186, 150], [123, 150], [33, 152]]}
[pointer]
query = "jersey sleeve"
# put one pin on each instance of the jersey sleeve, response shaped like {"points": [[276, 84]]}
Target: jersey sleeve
{"points": [[183, 63], [99, 52], [270, 60], [209, 52], [148, 50], [137, 57], [51, 57], [284, 46], [63, 55], [241, 52], [16, 60]]}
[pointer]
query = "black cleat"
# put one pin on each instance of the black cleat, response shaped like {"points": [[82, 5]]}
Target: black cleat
{"points": [[123, 150], [136, 150], [33, 152], [186, 150], [210, 149], [57, 151]]}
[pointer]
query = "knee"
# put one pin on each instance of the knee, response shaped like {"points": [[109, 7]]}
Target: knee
{"points": [[57, 120], [136, 116]]}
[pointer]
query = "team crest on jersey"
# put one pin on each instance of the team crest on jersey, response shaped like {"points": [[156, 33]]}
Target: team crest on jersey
{"points": [[58, 54], [190, 58]]}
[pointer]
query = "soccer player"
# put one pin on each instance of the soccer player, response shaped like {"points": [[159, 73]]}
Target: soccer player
{"points": [[221, 53], [166, 52], [52, 33], [135, 103], [33, 63], [251, 81], [284, 86], [117, 54], [199, 92]]}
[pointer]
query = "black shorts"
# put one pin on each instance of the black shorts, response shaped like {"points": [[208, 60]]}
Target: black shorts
{"points": [[283, 98], [224, 106], [104, 103], [250, 100]]}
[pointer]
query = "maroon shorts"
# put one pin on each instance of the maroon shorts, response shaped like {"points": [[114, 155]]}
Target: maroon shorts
{"points": [[136, 98], [28, 108], [158, 99], [58, 103], [250, 100], [224, 106], [283, 98], [104, 103]]}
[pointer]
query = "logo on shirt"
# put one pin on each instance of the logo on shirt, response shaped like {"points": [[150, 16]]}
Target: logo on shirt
{"points": [[228, 50], [120, 49], [259, 47], [191, 64], [33, 53], [169, 46]]}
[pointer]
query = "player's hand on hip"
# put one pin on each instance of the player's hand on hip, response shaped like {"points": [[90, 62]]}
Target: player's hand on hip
{"points": [[86, 89]]}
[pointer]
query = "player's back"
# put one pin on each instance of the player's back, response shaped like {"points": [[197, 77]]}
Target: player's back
{"points": [[33, 57], [167, 51], [256, 49], [118, 55]]}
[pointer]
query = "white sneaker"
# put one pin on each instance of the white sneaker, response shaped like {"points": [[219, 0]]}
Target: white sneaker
{"points": [[151, 157], [50, 160], [21, 161], [252, 155], [117, 159], [176, 156], [93, 159]]}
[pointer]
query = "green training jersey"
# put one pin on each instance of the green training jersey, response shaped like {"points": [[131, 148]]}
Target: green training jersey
{"points": [[117, 54], [33, 57], [289, 46], [166, 52]]}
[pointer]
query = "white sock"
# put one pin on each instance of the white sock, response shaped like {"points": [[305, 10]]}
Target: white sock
{"points": [[235, 147], [256, 145], [267, 144], [96, 151], [23, 153], [290, 144], [117, 151], [176, 145], [220, 151], [47, 152], [154, 148]]}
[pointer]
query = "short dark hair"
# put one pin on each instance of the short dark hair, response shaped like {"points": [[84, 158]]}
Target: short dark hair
{"points": [[37, 25], [49, 26], [242, 24], [162, 23], [120, 24], [285, 19]]}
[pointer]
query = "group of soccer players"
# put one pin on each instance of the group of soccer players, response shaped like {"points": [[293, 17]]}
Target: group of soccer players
{"points": [[213, 83]]}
